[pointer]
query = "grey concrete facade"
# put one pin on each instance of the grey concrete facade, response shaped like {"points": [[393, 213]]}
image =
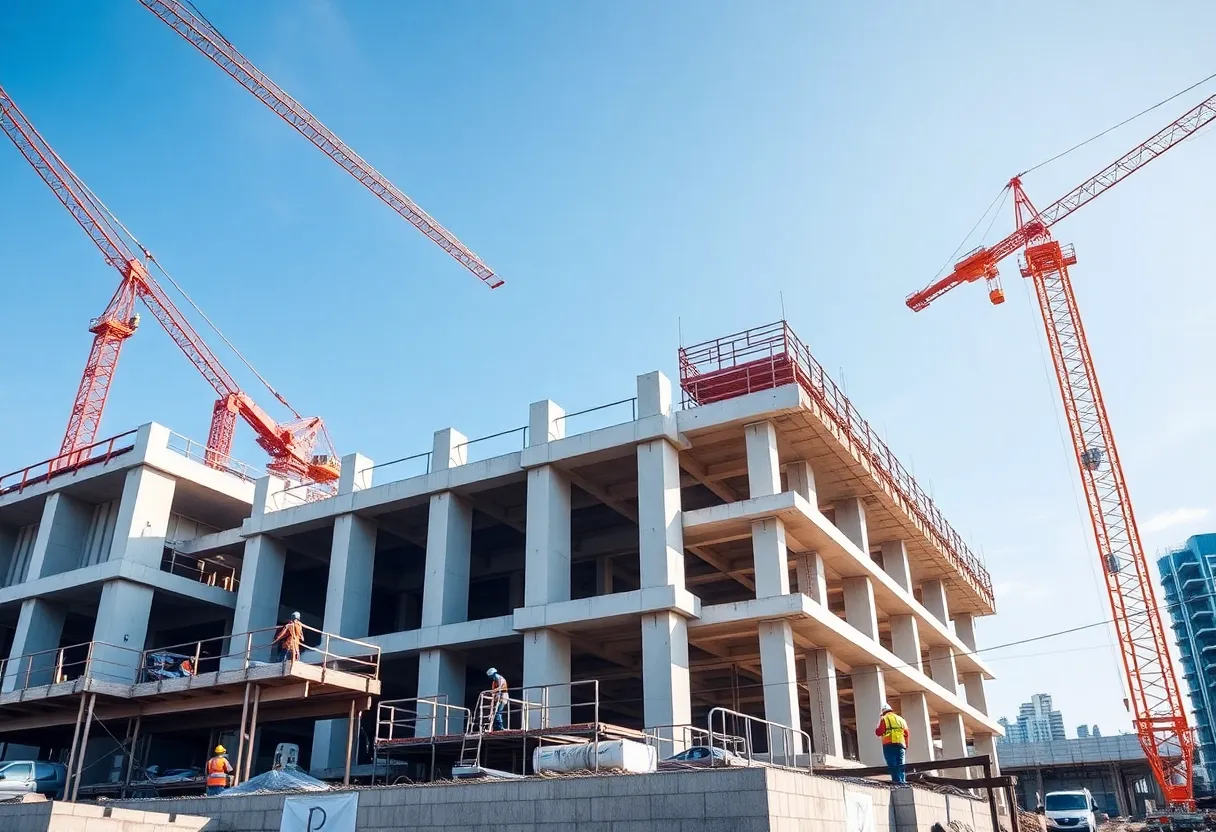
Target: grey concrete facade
{"points": [[732, 555]]}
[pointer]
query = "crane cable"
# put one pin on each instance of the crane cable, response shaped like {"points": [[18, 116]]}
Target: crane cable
{"points": [[1127, 120], [101, 206]]}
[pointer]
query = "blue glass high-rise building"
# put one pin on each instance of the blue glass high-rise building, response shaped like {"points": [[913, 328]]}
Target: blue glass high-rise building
{"points": [[1188, 576]]}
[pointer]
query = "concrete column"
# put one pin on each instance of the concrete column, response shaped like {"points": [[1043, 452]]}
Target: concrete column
{"points": [[348, 597], [667, 697], [143, 517], [449, 542], [914, 708], [812, 577], [933, 597], [895, 563], [352, 559], [547, 552], [851, 519], [943, 669], [441, 675], [964, 628], [905, 639], [973, 686], [8, 548], [825, 703], [859, 607], [547, 678], [121, 630], [770, 558], [800, 478], [1120, 793], [869, 693], [954, 741], [660, 535], [763, 468], [780, 677], [603, 575], [986, 744], [39, 628], [261, 585], [61, 535]]}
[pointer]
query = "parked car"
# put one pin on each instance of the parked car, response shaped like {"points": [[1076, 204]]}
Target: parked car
{"points": [[1070, 810], [31, 777], [704, 755]]}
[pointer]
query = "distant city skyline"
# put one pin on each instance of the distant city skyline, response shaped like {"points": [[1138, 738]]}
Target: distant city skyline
{"points": [[1037, 721]]}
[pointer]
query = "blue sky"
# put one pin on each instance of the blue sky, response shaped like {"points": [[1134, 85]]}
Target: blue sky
{"points": [[633, 169]]}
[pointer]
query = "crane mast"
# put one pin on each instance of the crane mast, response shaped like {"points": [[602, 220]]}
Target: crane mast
{"points": [[1157, 705], [290, 445], [199, 32]]}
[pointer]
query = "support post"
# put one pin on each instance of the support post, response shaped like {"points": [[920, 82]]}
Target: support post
{"points": [[84, 746], [350, 741], [126, 780], [240, 737], [253, 731], [67, 785]]}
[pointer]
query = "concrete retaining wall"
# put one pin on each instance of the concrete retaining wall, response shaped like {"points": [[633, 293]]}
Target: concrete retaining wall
{"points": [[739, 800], [45, 816]]}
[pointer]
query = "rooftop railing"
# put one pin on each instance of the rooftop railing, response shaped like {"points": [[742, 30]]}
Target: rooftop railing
{"points": [[771, 356], [199, 452], [99, 452]]}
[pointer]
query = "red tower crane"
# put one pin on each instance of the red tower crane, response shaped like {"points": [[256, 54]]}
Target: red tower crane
{"points": [[197, 30], [1158, 709], [291, 445]]}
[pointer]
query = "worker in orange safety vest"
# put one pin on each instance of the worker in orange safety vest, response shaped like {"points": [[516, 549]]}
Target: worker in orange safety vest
{"points": [[894, 732], [219, 770], [291, 636]]}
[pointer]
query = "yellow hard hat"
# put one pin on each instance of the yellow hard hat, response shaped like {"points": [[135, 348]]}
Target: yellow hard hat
{"points": [[219, 749]]}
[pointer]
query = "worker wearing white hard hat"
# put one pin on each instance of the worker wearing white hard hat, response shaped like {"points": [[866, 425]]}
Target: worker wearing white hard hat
{"points": [[894, 732], [499, 697]]}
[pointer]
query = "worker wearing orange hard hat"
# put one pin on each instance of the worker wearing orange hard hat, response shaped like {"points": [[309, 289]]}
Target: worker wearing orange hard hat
{"points": [[219, 770], [291, 637]]}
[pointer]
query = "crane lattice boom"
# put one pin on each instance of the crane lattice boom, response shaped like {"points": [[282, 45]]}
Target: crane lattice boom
{"points": [[983, 261], [290, 445], [1158, 708], [208, 40]]}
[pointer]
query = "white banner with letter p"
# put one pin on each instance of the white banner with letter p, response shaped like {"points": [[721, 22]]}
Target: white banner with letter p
{"points": [[320, 812]]}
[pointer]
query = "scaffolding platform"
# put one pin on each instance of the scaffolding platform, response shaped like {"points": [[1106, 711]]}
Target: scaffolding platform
{"points": [[209, 684]]}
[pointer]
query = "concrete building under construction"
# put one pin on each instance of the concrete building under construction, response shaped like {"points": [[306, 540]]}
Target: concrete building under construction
{"points": [[744, 542]]}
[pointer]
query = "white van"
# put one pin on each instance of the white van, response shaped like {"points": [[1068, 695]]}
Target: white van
{"points": [[1070, 810]]}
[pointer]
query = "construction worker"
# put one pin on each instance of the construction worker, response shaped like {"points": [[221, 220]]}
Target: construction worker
{"points": [[894, 732], [219, 771], [291, 637], [498, 690]]}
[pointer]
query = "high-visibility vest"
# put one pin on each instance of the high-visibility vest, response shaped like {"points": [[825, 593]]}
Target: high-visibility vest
{"points": [[217, 771], [894, 729]]}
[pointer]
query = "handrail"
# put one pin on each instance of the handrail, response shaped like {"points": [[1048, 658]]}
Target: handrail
{"points": [[632, 402], [774, 732], [362, 481], [173, 566], [243, 646], [394, 714], [61, 664], [522, 431], [101, 451], [200, 452]]}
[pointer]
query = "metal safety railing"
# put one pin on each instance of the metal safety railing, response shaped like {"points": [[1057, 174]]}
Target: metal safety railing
{"points": [[300, 494], [541, 707], [419, 464], [602, 409], [783, 745], [419, 716], [771, 356], [204, 570], [199, 452], [99, 452], [87, 660], [521, 432], [254, 648]]}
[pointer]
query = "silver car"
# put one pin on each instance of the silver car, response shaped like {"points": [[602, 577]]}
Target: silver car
{"points": [[31, 777]]}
